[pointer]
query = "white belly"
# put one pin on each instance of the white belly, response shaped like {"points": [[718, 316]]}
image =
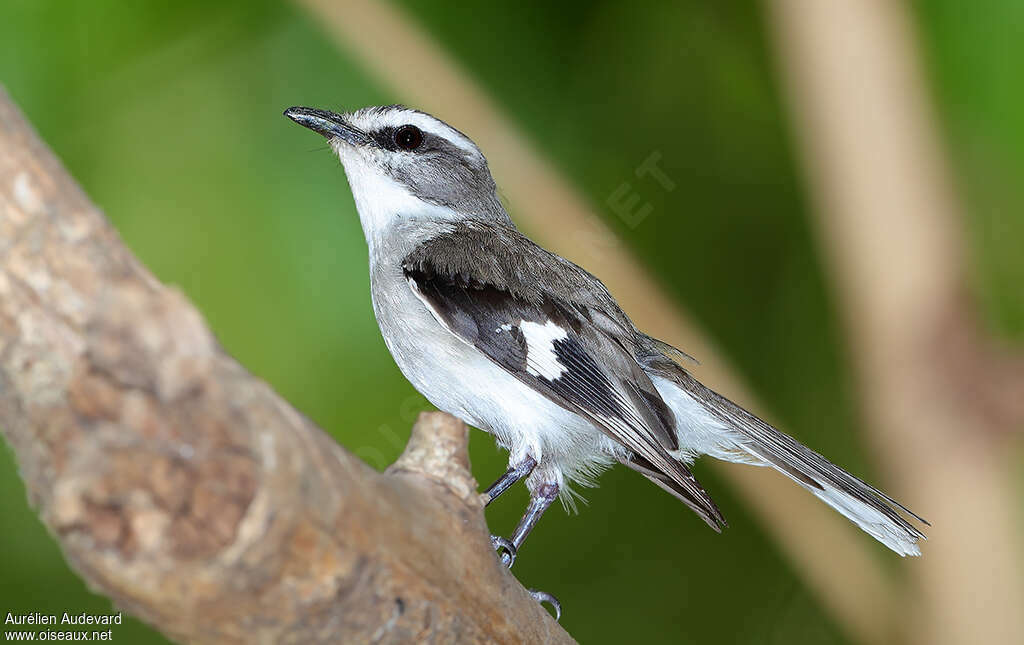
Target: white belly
{"points": [[459, 379]]}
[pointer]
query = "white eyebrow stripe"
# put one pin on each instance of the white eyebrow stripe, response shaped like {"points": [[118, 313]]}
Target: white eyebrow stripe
{"points": [[369, 121]]}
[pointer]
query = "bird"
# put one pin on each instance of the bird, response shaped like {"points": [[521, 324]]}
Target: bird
{"points": [[533, 349]]}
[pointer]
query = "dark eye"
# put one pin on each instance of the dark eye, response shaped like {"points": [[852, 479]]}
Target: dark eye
{"points": [[408, 137]]}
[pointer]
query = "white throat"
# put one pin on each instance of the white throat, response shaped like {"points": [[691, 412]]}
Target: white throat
{"points": [[381, 200]]}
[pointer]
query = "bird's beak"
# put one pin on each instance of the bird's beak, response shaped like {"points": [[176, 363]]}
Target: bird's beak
{"points": [[329, 124]]}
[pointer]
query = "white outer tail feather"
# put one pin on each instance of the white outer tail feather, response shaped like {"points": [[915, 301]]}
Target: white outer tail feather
{"points": [[702, 433], [868, 519]]}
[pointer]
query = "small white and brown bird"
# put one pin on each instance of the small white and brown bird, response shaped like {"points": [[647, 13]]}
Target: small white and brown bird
{"points": [[529, 347]]}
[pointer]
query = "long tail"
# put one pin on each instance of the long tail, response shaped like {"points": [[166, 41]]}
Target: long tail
{"points": [[711, 424]]}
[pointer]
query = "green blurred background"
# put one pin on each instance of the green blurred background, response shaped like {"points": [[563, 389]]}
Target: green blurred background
{"points": [[169, 115]]}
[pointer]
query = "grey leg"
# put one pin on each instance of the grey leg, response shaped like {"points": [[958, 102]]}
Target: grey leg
{"points": [[539, 502], [511, 476]]}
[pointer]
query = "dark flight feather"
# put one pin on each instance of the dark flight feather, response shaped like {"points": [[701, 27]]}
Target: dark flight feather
{"points": [[787, 454]]}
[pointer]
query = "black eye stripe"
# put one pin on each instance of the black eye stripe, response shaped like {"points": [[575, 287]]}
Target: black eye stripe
{"points": [[385, 138], [431, 144]]}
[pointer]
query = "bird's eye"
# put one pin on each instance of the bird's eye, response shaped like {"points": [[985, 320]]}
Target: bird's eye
{"points": [[408, 137]]}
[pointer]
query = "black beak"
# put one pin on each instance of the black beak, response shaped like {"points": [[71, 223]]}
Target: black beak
{"points": [[329, 124]]}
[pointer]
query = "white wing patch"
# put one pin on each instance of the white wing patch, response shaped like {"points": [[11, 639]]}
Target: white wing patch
{"points": [[541, 359]]}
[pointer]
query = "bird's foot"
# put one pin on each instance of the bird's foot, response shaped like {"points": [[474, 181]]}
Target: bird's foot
{"points": [[507, 554], [506, 550], [544, 597]]}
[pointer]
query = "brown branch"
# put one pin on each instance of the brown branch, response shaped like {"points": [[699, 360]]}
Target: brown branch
{"points": [[185, 489], [940, 397]]}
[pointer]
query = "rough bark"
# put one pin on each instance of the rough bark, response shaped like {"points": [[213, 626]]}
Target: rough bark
{"points": [[185, 489]]}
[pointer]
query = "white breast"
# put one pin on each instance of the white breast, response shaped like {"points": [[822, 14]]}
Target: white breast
{"points": [[459, 379]]}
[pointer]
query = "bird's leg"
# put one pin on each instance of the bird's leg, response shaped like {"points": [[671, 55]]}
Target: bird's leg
{"points": [[511, 476], [540, 500]]}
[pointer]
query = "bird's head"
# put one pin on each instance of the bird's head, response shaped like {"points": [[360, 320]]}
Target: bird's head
{"points": [[405, 163]]}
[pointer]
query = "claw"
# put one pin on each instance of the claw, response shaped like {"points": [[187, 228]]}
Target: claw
{"points": [[544, 597], [506, 550]]}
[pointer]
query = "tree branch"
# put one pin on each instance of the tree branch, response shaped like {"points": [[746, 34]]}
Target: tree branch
{"points": [[186, 489]]}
